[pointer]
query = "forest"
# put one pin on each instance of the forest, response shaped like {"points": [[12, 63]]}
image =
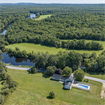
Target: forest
{"points": [[77, 23]]}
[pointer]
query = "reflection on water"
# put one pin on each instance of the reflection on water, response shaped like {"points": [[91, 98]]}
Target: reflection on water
{"points": [[17, 61]]}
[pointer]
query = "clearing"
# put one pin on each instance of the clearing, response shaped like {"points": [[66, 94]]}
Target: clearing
{"points": [[42, 17], [34, 88], [29, 47]]}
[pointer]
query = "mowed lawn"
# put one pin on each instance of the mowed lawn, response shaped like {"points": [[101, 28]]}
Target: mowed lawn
{"points": [[34, 88], [42, 17], [29, 47]]}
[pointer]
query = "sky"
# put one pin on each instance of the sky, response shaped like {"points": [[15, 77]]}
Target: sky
{"points": [[55, 1]]}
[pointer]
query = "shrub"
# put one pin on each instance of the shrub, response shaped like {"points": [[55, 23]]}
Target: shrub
{"points": [[51, 94], [6, 91], [33, 70]]}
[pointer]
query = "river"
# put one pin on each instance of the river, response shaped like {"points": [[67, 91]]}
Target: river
{"points": [[16, 61], [13, 60]]}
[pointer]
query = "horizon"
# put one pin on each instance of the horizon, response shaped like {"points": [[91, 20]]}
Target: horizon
{"points": [[53, 2]]}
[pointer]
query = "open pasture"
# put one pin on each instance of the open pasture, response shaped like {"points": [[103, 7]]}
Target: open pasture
{"points": [[29, 47], [33, 89]]}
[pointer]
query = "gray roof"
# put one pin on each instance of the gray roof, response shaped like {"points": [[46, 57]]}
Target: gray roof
{"points": [[63, 78], [57, 76], [68, 83], [70, 77]]}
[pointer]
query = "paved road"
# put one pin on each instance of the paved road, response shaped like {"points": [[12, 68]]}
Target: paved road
{"points": [[23, 68], [95, 79], [18, 68]]}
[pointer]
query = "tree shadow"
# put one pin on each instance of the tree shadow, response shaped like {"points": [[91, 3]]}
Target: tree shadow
{"points": [[48, 97], [65, 89], [45, 75]]}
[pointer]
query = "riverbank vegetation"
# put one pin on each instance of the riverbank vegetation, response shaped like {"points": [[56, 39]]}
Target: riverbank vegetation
{"points": [[36, 94], [7, 84]]}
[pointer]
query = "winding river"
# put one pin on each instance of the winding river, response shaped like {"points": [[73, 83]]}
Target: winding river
{"points": [[17, 61]]}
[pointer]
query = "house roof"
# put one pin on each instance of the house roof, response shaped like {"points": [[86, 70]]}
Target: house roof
{"points": [[57, 76], [68, 83], [70, 77], [63, 78]]}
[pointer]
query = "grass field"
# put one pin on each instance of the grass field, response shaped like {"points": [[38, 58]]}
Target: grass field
{"points": [[42, 17], [29, 47], [34, 88]]}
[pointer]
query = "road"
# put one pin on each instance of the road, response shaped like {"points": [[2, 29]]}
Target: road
{"points": [[95, 79], [23, 68], [18, 68]]}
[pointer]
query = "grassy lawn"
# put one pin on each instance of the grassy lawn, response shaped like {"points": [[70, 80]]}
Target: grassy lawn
{"points": [[42, 17], [34, 88], [29, 47]]}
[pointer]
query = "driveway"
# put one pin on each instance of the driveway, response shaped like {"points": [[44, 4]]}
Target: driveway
{"points": [[95, 79]]}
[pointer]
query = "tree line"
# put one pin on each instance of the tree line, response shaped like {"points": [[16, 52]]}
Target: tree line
{"points": [[55, 42]]}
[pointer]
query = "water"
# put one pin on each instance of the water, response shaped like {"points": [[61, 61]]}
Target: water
{"points": [[32, 16], [5, 30], [83, 86], [17, 61]]}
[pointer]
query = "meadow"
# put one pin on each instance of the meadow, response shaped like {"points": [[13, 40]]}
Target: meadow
{"points": [[29, 47], [42, 17], [33, 89]]}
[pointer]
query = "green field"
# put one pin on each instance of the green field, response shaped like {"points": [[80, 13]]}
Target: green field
{"points": [[42, 17], [29, 47], [34, 88]]}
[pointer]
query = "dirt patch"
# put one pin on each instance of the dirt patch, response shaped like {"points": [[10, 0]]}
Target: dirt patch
{"points": [[103, 91]]}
